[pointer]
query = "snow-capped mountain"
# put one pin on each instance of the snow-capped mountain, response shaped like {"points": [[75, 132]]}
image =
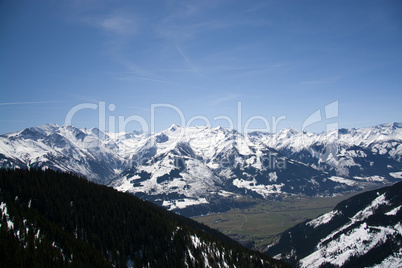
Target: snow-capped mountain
{"points": [[363, 231], [197, 170], [354, 153], [64, 148], [211, 166]]}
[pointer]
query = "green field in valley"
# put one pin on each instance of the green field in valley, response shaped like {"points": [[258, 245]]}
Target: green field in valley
{"points": [[262, 224]]}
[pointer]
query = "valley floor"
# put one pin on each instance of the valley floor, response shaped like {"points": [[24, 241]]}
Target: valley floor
{"points": [[260, 225]]}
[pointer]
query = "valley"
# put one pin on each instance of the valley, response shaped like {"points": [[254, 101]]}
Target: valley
{"points": [[262, 224]]}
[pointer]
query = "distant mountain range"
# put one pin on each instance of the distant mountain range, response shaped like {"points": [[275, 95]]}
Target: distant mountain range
{"points": [[198, 170], [363, 231], [54, 219]]}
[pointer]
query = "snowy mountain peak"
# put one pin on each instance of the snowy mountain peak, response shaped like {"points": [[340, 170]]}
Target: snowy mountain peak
{"points": [[396, 125], [40, 130], [174, 127], [343, 131], [389, 129], [288, 132], [98, 133], [198, 162]]}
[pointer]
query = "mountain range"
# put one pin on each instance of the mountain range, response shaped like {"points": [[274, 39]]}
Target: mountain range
{"points": [[363, 231], [198, 170]]}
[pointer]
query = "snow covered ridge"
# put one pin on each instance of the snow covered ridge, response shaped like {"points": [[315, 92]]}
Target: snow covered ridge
{"points": [[363, 231], [323, 219], [202, 165]]}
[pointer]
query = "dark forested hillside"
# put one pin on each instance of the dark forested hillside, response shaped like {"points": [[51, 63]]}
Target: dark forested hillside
{"points": [[57, 219]]}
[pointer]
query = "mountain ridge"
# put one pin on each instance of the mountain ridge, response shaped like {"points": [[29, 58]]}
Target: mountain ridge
{"points": [[362, 231], [55, 219], [199, 166]]}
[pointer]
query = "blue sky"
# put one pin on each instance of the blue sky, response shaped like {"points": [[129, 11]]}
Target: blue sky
{"points": [[277, 60]]}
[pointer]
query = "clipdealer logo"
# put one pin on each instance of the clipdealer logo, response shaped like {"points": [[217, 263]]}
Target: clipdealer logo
{"points": [[330, 149], [325, 151]]}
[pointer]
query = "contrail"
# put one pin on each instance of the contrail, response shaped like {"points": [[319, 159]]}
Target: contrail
{"points": [[26, 102]]}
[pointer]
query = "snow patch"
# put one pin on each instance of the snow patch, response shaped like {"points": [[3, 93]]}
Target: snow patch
{"points": [[183, 203], [371, 178], [225, 193], [323, 219], [394, 211], [343, 180], [196, 241], [3, 208], [368, 211], [264, 190], [396, 175]]}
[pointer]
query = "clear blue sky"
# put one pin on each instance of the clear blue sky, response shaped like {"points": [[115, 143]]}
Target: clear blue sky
{"points": [[277, 58]]}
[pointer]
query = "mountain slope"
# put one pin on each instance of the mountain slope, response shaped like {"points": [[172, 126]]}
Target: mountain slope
{"points": [[212, 168], [57, 219], [362, 231], [198, 170], [366, 154]]}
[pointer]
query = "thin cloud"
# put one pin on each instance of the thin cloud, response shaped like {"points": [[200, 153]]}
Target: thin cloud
{"points": [[150, 79], [197, 17], [119, 24], [217, 100], [175, 29], [26, 102], [182, 55], [132, 77], [187, 60], [325, 81]]}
